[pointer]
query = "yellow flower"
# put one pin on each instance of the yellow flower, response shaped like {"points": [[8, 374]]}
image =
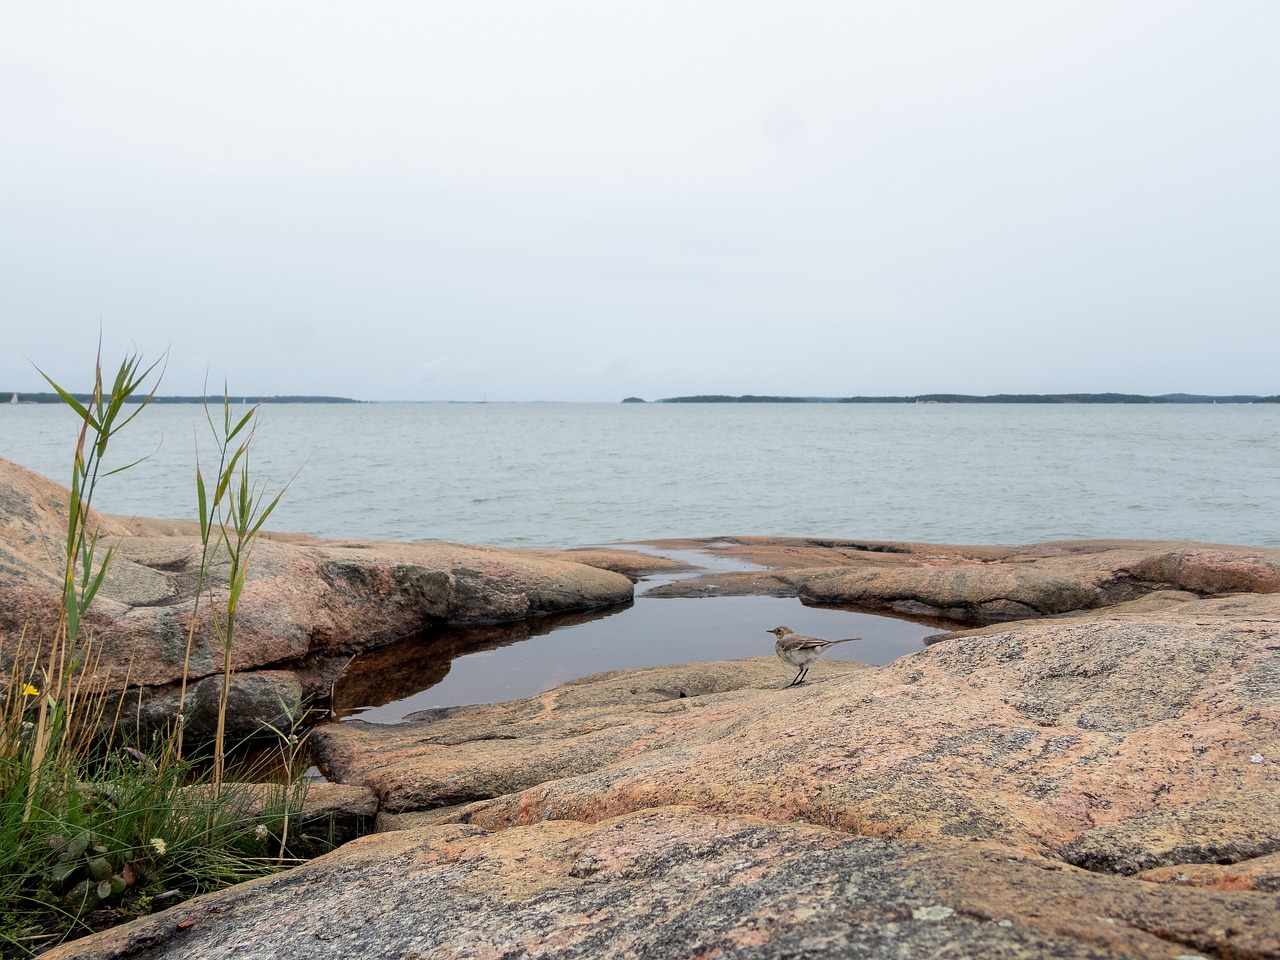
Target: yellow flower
{"points": [[29, 691], [159, 845]]}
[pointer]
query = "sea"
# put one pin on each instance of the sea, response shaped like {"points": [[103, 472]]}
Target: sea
{"points": [[557, 475]]}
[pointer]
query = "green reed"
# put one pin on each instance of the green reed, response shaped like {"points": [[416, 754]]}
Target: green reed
{"points": [[93, 830]]}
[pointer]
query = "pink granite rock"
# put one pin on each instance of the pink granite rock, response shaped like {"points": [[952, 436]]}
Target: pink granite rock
{"points": [[980, 584], [305, 597], [678, 882], [1122, 740]]}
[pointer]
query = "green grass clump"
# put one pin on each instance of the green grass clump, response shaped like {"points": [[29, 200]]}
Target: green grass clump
{"points": [[95, 830], [108, 836]]}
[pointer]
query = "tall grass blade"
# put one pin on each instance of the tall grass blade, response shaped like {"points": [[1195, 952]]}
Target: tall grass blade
{"points": [[71, 401]]}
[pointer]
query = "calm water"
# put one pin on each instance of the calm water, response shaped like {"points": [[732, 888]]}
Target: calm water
{"points": [[503, 663], [555, 475], [571, 474]]}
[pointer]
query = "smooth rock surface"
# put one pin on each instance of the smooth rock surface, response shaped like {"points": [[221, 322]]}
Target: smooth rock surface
{"points": [[678, 882], [459, 754], [1123, 732], [980, 584]]}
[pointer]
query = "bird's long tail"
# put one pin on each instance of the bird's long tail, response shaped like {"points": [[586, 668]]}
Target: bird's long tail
{"points": [[845, 640]]}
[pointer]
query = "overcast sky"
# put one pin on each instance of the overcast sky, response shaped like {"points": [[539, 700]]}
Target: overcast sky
{"points": [[593, 200]]}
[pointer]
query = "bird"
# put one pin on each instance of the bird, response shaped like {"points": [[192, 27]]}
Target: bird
{"points": [[799, 651]]}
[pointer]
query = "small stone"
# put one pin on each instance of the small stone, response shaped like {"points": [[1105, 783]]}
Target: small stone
{"points": [[1256, 758]]}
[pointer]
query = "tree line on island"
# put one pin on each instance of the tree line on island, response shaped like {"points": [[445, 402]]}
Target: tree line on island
{"points": [[970, 398], [20, 397]]}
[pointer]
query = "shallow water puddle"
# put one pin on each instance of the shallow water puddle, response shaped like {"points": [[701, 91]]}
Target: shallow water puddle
{"points": [[488, 664]]}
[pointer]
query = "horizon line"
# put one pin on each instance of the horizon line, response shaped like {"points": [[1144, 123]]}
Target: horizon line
{"points": [[21, 397]]}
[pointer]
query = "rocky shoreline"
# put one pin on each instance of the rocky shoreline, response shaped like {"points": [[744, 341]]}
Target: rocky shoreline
{"points": [[980, 584], [1088, 767], [310, 604]]}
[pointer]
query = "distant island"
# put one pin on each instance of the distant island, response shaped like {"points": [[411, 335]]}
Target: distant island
{"points": [[969, 398], [20, 397]]}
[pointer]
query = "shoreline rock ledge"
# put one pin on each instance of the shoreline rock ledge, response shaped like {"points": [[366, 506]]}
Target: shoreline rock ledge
{"points": [[308, 601], [1099, 784], [976, 584]]}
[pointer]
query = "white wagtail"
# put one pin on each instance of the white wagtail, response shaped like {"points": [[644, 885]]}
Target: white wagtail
{"points": [[800, 651]]}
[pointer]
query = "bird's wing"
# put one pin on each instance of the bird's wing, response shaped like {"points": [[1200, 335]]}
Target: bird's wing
{"points": [[807, 643]]}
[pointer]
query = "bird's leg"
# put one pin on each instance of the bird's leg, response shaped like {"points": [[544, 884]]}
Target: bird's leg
{"points": [[795, 679]]}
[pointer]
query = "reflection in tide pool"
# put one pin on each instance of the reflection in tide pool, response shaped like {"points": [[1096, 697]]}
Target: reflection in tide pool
{"points": [[505, 663]]}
